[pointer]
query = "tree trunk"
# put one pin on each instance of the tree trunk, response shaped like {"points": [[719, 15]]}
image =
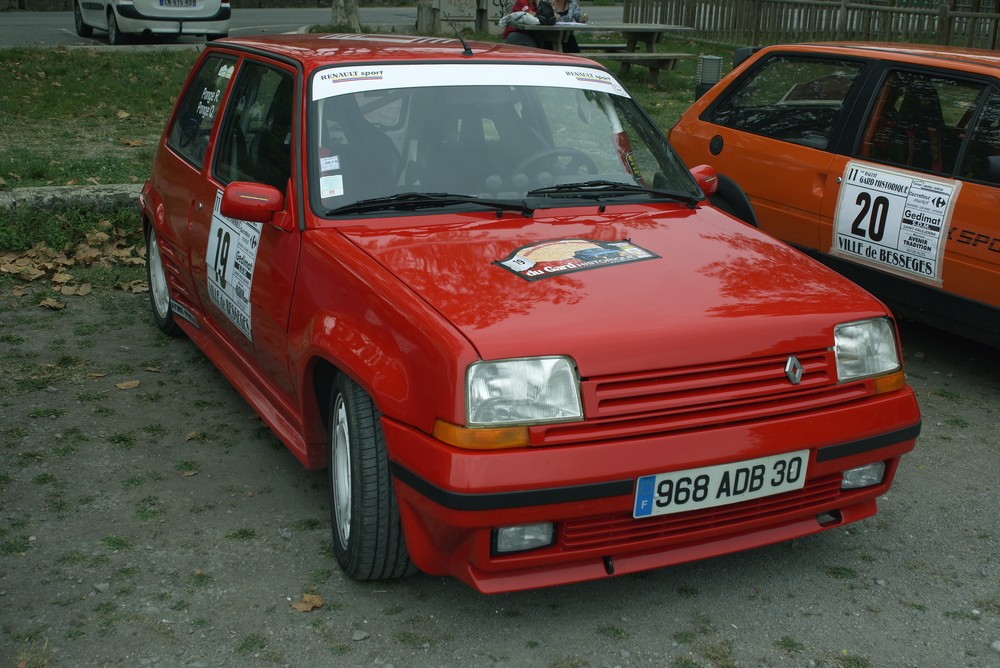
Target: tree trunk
{"points": [[345, 15]]}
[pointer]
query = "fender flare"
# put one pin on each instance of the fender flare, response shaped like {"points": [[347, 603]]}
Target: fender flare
{"points": [[729, 197]]}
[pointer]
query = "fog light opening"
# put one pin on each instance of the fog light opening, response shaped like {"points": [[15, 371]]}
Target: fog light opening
{"points": [[829, 519], [521, 537], [863, 476]]}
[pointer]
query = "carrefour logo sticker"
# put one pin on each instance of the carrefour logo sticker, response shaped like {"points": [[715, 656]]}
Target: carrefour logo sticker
{"points": [[564, 256]]}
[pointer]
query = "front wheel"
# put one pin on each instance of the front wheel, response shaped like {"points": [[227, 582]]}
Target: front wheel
{"points": [[367, 536], [82, 29]]}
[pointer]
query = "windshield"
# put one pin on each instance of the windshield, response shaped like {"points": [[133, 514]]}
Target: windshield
{"points": [[496, 133]]}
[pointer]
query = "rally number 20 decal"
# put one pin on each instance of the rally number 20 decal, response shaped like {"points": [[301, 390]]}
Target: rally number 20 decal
{"points": [[894, 221]]}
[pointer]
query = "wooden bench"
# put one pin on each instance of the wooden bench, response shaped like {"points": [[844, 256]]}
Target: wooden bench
{"points": [[654, 61], [607, 47]]}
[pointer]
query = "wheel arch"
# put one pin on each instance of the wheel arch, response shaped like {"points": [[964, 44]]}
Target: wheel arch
{"points": [[731, 198], [411, 376]]}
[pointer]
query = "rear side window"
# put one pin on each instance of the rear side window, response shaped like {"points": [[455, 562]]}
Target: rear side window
{"points": [[198, 109], [919, 121], [797, 100], [982, 155]]}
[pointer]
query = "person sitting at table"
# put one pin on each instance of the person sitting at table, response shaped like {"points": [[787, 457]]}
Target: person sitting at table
{"points": [[568, 11], [511, 33]]}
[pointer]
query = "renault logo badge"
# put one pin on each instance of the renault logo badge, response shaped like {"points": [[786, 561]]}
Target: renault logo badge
{"points": [[793, 369]]}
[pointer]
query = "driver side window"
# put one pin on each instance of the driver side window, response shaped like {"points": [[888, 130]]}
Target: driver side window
{"points": [[255, 142]]}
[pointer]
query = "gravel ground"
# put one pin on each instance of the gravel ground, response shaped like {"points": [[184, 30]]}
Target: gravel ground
{"points": [[148, 518]]}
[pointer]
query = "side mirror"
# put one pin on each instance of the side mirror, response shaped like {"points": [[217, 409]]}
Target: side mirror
{"points": [[256, 203], [707, 178]]}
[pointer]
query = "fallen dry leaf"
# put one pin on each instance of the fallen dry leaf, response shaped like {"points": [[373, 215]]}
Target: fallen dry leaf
{"points": [[53, 304], [308, 603], [127, 385], [135, 287]]}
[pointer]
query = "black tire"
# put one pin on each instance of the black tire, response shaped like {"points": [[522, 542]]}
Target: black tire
{"points": [[115, 36], [159, 290], [82, 29], [367, 536]]}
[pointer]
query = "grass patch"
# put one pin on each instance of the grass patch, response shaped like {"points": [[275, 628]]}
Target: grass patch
{"points": [[116, 543], [23, 227], [243, 534], [110, 109], [841, 572]]}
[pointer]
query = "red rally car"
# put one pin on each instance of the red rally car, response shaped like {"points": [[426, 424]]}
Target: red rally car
{"points": [[475, 282]]}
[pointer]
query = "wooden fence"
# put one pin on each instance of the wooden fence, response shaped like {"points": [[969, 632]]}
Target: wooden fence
{"points": [[745, 22]]}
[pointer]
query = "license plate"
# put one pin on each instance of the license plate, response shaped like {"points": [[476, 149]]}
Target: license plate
{"points": [[694, 489], [178, 3]]}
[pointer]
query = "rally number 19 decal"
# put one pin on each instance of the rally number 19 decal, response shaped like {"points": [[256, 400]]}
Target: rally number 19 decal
{"points": [[231, 256], [222, 242]]}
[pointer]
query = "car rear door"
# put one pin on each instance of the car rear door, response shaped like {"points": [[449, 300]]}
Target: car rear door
{"points": [[917, 197]]}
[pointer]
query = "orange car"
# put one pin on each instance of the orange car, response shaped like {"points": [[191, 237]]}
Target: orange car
{"points": [[882, 160]]}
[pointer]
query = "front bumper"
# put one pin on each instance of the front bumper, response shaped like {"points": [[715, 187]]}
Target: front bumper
{"points": [[451, 500]]}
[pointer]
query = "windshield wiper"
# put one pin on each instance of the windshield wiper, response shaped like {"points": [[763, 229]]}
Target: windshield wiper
{"points": [[604, 188], [411, 201]]}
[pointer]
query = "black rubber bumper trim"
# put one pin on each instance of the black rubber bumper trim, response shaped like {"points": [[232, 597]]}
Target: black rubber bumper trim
{"points": [[603, 490], [866, 444], [503, 500]]}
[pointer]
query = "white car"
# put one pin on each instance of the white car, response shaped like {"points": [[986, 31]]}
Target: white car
{"points": [[124, 18]]}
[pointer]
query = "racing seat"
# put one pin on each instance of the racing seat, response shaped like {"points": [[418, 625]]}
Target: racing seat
{"points": [[367, 158], [271, 148], [469, 149], [921, 131]]}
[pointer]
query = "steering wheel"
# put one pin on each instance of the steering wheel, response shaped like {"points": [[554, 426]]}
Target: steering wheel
{"points": [[189, 130], [578, 160]]}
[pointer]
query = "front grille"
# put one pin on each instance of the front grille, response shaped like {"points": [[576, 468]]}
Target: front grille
{"points": [[692, 388], [621, 529], [646, 404]]}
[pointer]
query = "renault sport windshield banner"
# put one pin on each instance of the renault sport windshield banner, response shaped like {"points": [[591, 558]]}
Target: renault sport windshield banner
{"points": [[360, 78]]}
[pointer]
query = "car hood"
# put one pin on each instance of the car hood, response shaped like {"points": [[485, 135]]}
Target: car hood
{"points": [[631, 288]]}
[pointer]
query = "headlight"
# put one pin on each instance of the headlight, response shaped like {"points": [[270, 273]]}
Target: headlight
{"points": [[865, 348], [522, 391]]}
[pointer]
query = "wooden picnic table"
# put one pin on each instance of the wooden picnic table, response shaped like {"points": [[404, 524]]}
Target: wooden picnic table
{"points": [[628, 54], [553, 37]]}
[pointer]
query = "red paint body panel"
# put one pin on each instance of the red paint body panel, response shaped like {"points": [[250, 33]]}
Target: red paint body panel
{"points": [[682, 357]]}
